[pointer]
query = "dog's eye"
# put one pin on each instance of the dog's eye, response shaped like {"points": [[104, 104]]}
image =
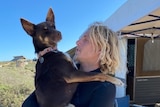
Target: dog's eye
{"points": [[54, 27]]}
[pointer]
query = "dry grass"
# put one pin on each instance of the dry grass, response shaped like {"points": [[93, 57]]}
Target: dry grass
{"points": [[16, 83]]}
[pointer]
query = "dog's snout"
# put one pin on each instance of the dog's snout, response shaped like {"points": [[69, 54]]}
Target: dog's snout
{"points": [[59, 34]]}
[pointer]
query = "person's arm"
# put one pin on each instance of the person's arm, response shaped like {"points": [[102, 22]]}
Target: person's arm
{"points": [[103, 96]]}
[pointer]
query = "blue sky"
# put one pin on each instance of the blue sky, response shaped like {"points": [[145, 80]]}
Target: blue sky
{"points": [[72, 18]]}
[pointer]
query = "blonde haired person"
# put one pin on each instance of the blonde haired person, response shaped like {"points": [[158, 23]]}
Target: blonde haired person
{"points": [[97, 51]]}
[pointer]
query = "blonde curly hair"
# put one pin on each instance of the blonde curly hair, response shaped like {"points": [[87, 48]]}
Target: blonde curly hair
{"points": [[105, 40]]}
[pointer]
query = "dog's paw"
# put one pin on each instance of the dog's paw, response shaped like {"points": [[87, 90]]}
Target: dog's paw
{"points": [[115, 80], [157, 105], [70, 105], [119, 82]]}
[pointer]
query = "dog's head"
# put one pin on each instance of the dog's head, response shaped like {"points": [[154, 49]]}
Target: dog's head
{"points": [[44, 34]]}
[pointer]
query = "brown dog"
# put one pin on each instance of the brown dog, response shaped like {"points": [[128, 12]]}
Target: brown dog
{"points": [[56, 78]]}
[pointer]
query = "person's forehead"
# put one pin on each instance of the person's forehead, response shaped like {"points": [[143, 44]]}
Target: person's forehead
{"points": [[85, 35]]}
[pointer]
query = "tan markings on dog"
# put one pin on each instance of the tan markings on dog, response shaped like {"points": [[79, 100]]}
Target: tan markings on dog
{"points": [[44, 40], [40, 38]]}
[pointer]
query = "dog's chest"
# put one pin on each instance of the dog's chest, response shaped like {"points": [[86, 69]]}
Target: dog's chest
{"points": [[54, 67], [50, 82]]}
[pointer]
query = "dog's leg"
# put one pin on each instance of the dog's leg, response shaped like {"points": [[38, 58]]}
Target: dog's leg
{"points": [[92, 76]]}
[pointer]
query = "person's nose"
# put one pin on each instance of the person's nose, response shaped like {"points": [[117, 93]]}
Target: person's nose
{"points": [[78, 42]]}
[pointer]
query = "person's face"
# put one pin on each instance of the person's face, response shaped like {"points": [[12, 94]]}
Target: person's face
{"points": [[85, 51]]}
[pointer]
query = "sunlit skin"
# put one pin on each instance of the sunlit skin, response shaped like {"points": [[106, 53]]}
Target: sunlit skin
{"points": [[86, 55]]}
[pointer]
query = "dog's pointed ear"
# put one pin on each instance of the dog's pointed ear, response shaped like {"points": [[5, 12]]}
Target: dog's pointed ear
{"points": [[27, 26], [50, 16]]}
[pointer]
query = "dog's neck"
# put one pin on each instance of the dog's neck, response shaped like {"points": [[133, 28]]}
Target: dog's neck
{"points": [[50, 49], [46, 50]]}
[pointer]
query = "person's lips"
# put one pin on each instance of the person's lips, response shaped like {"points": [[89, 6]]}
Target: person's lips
{"points": [[77, 51]]}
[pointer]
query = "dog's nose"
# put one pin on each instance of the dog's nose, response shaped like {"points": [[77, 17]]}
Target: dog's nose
{"points": [[59, 34]]}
